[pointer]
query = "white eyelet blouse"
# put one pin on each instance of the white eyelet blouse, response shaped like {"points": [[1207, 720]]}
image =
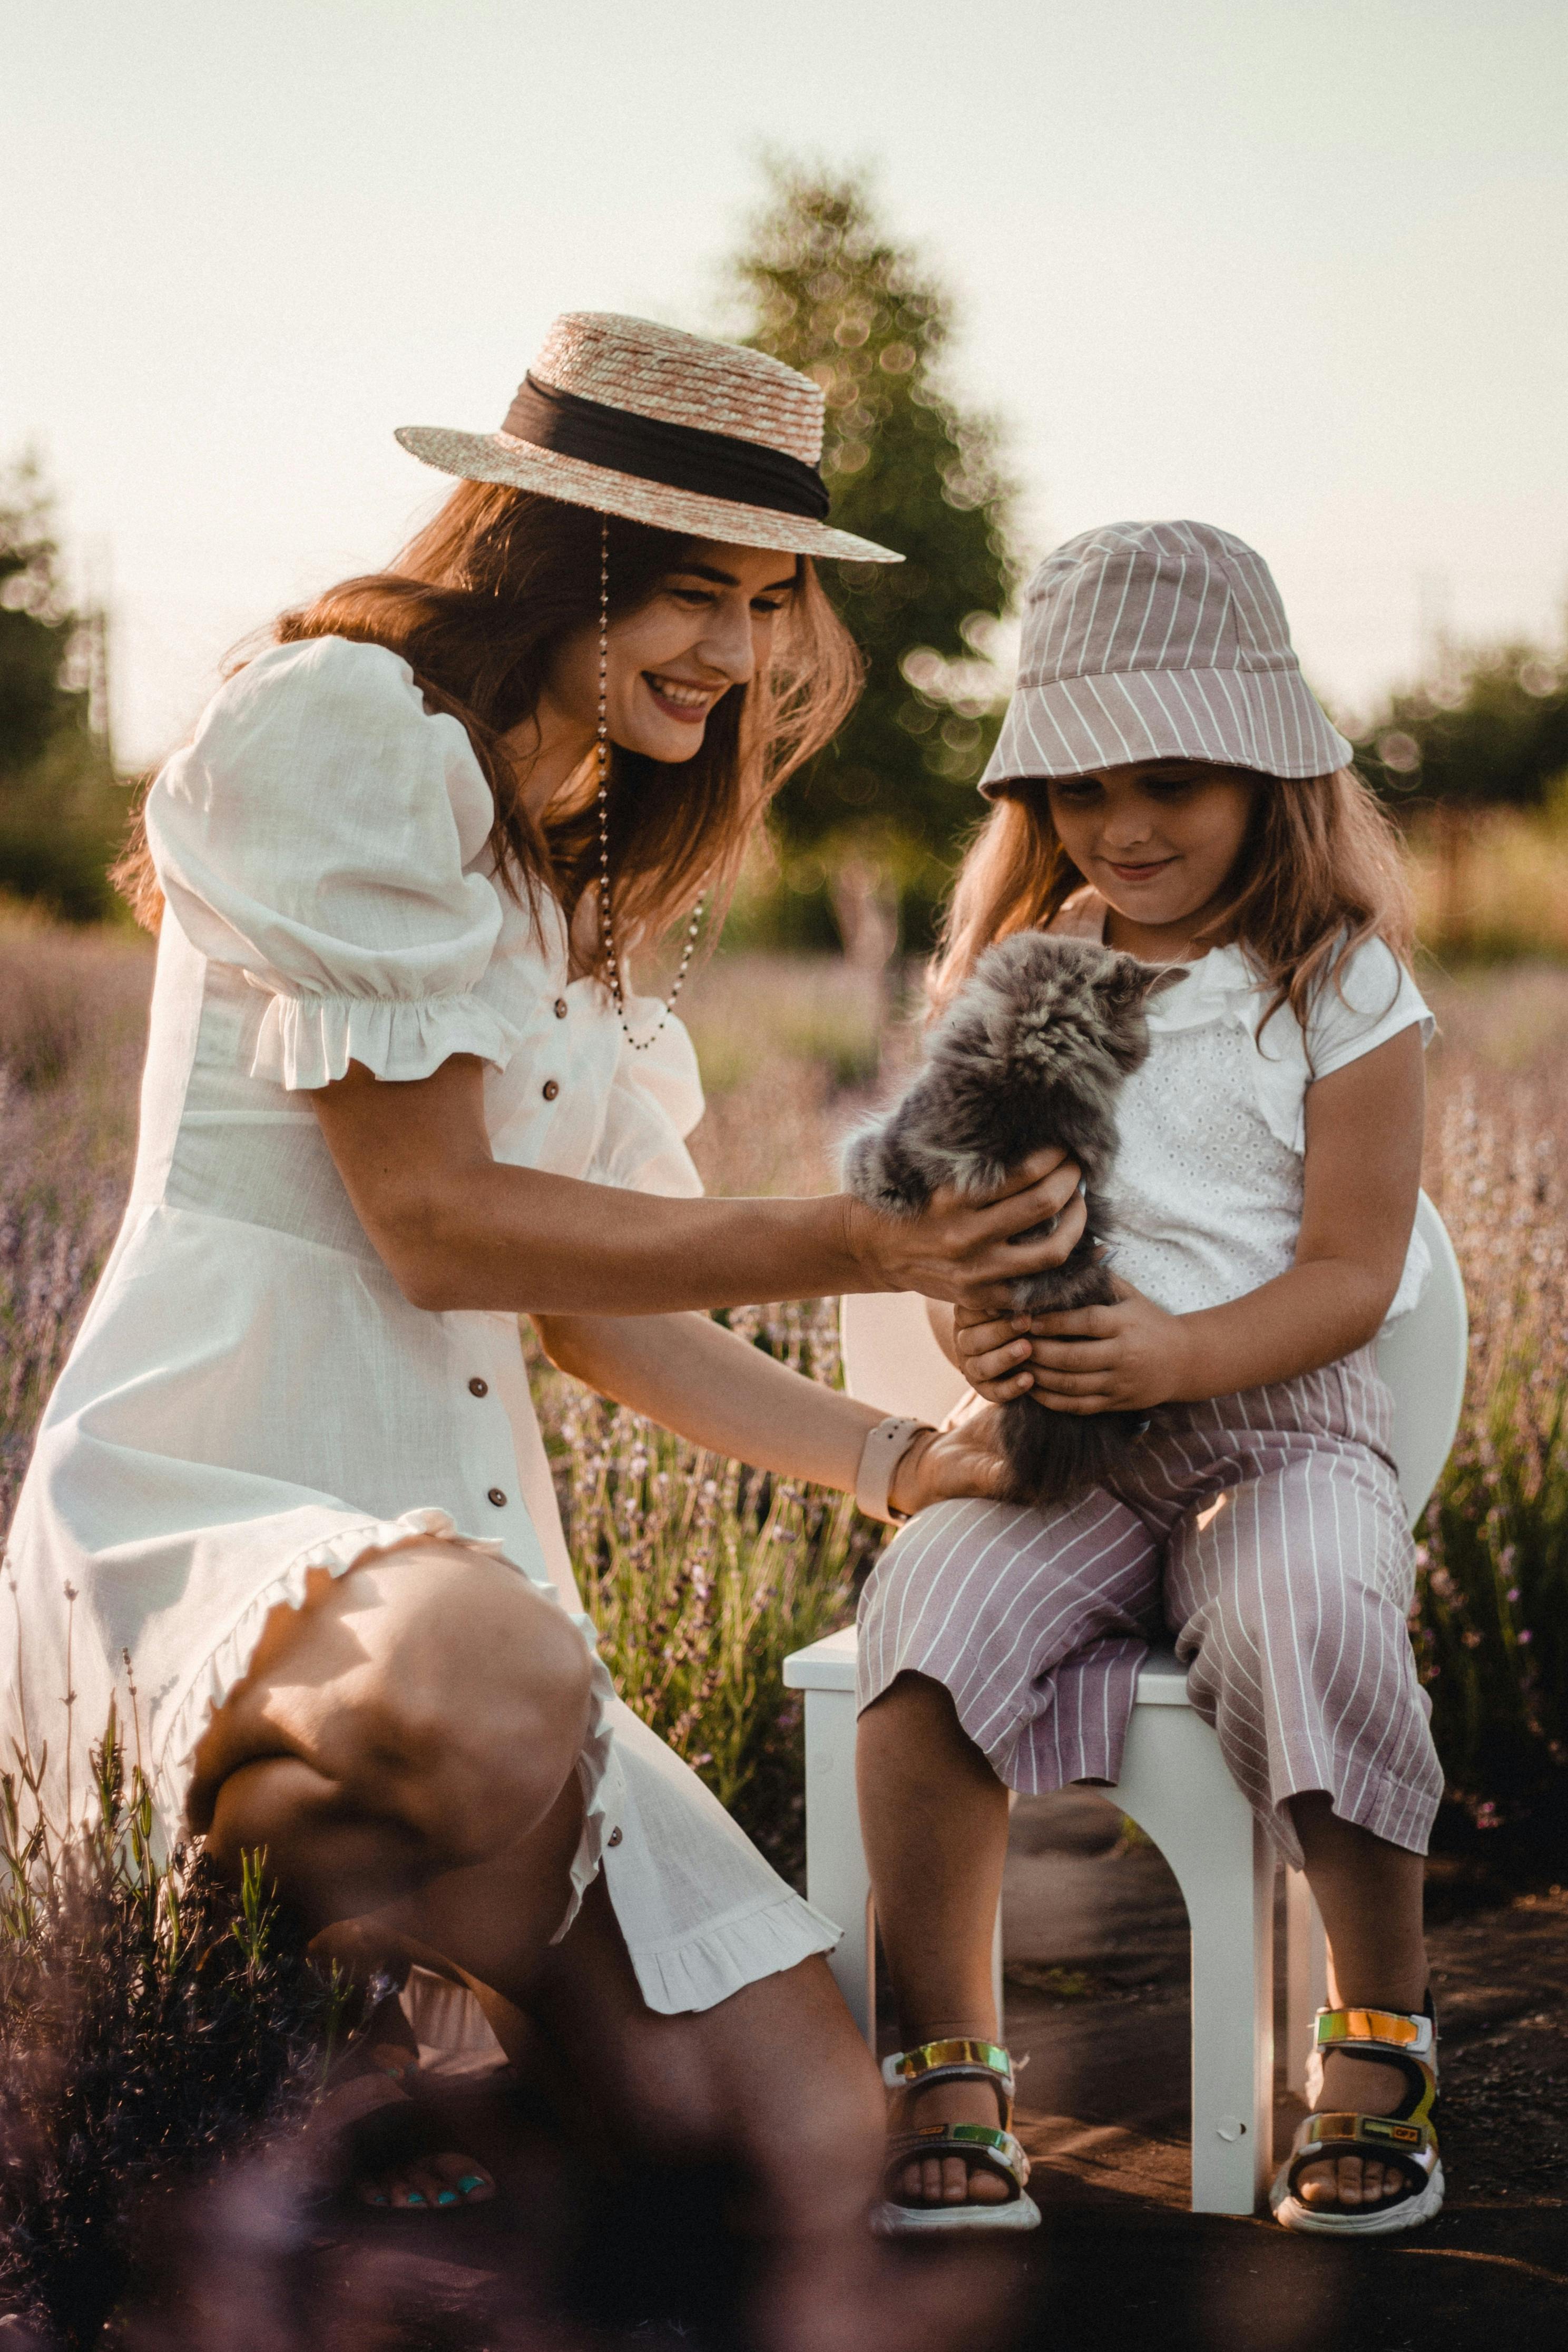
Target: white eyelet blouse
{"points": [[251, 1396], [1210, 1165]]}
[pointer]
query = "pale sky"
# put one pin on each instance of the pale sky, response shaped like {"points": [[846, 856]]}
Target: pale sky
{"points": [[1295, 266]]}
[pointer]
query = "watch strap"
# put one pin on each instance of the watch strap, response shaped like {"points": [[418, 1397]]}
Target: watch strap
{"points": [[885, 1447]]}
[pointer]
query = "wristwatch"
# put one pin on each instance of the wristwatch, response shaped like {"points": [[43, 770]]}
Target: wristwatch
{"points": [[885, 1447]]}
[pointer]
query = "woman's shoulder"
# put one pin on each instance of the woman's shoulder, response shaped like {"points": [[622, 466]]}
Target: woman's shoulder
{"points": [[320, 756], [341, 681]]}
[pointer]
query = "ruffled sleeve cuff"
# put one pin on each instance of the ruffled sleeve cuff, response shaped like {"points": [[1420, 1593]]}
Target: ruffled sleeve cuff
{"points": [[309, 1041]]}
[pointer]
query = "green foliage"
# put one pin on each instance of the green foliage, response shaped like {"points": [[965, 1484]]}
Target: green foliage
{"points": [[830, 292], [61, 814], [1490, 732]]}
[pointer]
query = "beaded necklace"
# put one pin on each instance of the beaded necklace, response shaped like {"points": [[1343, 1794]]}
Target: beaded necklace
{"points": [[606, 917]]}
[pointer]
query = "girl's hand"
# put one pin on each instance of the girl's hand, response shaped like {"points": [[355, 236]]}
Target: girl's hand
{"points": [[945, 1463], [1123, 1358], [965, 1251]]}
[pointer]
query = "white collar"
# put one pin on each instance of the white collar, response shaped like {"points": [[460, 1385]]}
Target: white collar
{"points": [[1213, 985]]}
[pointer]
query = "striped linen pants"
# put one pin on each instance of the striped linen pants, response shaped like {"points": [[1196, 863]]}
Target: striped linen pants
{"points": [[1265, 1531]]}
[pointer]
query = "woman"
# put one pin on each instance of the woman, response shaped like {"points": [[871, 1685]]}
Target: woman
{"points": [[289, 1486]]}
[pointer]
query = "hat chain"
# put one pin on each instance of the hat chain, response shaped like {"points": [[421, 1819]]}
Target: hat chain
{"points": [[602, 749]]}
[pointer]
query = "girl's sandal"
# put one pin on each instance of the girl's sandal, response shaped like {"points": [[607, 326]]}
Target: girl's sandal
{"points": [[995, 2151], [1406, 2139]]}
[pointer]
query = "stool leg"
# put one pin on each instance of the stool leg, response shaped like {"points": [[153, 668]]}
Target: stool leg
{"points": [[1176, 1787], [1306, 1977], [997, 1976], [837, 1879]]}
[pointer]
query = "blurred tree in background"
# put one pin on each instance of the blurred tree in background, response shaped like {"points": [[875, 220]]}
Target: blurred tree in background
{"points": [[61, 814], [1474, 763], [875, 820], [1490, 730]]}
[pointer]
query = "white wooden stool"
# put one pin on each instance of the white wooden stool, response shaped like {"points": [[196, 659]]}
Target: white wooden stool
{"points": [[1173, 1782]]}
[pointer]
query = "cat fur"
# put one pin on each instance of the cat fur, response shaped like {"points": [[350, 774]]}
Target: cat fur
{"points": [[1032, 1051]]}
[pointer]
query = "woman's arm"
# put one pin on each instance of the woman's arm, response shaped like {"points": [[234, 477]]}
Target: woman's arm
{"points": [[457, 1229], [710, 1385], [1362, 1174]]}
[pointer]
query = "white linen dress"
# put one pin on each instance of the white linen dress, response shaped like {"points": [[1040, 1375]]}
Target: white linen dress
{"points": [[251, 1396]]}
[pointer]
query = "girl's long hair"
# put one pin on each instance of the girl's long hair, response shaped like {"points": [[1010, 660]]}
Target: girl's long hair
{"points": [[478, 604], [1321, 871]]}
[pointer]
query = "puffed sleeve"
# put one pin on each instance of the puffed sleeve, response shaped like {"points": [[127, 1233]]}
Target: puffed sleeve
{"points": [[655, 1100], [318, 834]]}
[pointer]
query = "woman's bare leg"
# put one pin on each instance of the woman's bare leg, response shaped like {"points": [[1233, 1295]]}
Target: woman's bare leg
{"points": [[934, 1818], [1370, 1895], [414, 1729]]}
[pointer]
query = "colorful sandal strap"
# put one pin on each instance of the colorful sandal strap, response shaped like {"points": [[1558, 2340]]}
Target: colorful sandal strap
{"points": [[998, 2150], [1378, 2029], [958, 2061], [907, 2068]]}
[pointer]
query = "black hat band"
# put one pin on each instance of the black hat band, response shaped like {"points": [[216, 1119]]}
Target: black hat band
{"points": [[679, 456]]}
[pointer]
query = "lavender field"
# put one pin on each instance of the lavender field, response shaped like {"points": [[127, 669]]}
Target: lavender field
{"points": [[703, 1575]]}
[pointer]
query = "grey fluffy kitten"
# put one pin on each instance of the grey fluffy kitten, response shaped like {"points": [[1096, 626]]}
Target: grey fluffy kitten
{"points": [[1032, 1051]]}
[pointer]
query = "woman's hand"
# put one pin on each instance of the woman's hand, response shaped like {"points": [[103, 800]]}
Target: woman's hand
{"points": [[945, 1463], [1123, 1358], [969, 1252]]}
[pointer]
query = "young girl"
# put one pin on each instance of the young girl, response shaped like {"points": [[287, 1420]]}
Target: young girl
{"points": [[1166, 782]]}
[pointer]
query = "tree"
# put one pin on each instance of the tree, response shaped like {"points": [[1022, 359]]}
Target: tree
{"points": [[60, 816], [1490, 731], [830, 292]]}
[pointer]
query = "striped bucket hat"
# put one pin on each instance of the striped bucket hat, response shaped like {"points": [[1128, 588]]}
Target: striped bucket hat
{"points": [[1158, 641], [635, 419]]}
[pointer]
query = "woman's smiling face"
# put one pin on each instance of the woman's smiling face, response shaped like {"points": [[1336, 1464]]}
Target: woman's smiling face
{"points": [[1159, 839], [708, 626]]}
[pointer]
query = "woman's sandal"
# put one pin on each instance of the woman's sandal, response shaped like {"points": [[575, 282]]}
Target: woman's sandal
{"points": [[365, 2125], [1406, 2139], [911, 2071]]}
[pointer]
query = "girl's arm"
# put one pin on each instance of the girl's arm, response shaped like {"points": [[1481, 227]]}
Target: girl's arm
{"points": [[715, 1388], [1362, 1174], [455, 1228]]}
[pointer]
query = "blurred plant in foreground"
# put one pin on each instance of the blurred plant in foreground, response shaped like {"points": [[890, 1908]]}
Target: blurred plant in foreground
{"points": [[149, 2032]]}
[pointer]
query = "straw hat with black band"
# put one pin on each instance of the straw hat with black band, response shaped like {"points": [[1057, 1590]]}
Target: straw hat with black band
{"points": [[665, 429]]}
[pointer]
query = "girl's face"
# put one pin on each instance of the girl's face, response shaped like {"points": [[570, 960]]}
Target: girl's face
{"points": [[707, 627], [1160, 840]]}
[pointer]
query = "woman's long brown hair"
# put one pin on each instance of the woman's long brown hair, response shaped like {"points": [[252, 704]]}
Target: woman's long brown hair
{"points": [[1321, 871], [478, 603]]}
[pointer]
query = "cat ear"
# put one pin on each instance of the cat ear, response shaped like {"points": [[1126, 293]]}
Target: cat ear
{"points": [[1137, 982]]}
